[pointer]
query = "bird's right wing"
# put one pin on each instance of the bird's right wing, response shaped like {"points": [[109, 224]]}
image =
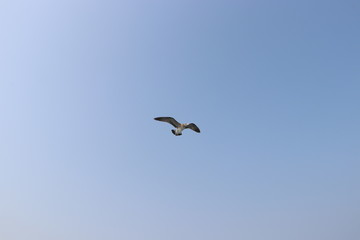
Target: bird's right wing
{"points": [[170, 120], [193, 127]]}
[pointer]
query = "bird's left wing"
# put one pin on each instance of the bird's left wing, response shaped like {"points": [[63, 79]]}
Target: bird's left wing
{"points": [[170, 120]]}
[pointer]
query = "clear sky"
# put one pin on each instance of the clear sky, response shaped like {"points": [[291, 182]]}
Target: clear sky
{"points": [[273, 85]]}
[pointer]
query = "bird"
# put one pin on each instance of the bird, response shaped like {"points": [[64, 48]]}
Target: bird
{"points": [[179, 126]]}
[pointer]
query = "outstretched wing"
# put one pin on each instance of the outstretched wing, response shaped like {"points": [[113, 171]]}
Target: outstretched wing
{"points": [[193, 127], [170, 120]]}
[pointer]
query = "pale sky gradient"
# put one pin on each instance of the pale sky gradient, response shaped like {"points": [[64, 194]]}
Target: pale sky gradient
{"points": [[273, 85]]}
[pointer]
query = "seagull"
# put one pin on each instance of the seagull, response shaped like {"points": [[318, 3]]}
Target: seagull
{"points": [[179, 126]]}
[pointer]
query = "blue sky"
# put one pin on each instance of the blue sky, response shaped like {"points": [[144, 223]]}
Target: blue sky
{"points": [[273, 85]]}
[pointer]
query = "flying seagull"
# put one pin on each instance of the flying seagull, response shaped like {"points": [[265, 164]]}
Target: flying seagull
{"points": [[179, 126]]}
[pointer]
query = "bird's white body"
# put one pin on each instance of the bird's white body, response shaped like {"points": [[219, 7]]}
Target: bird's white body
{"points": [[178, 131]]}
